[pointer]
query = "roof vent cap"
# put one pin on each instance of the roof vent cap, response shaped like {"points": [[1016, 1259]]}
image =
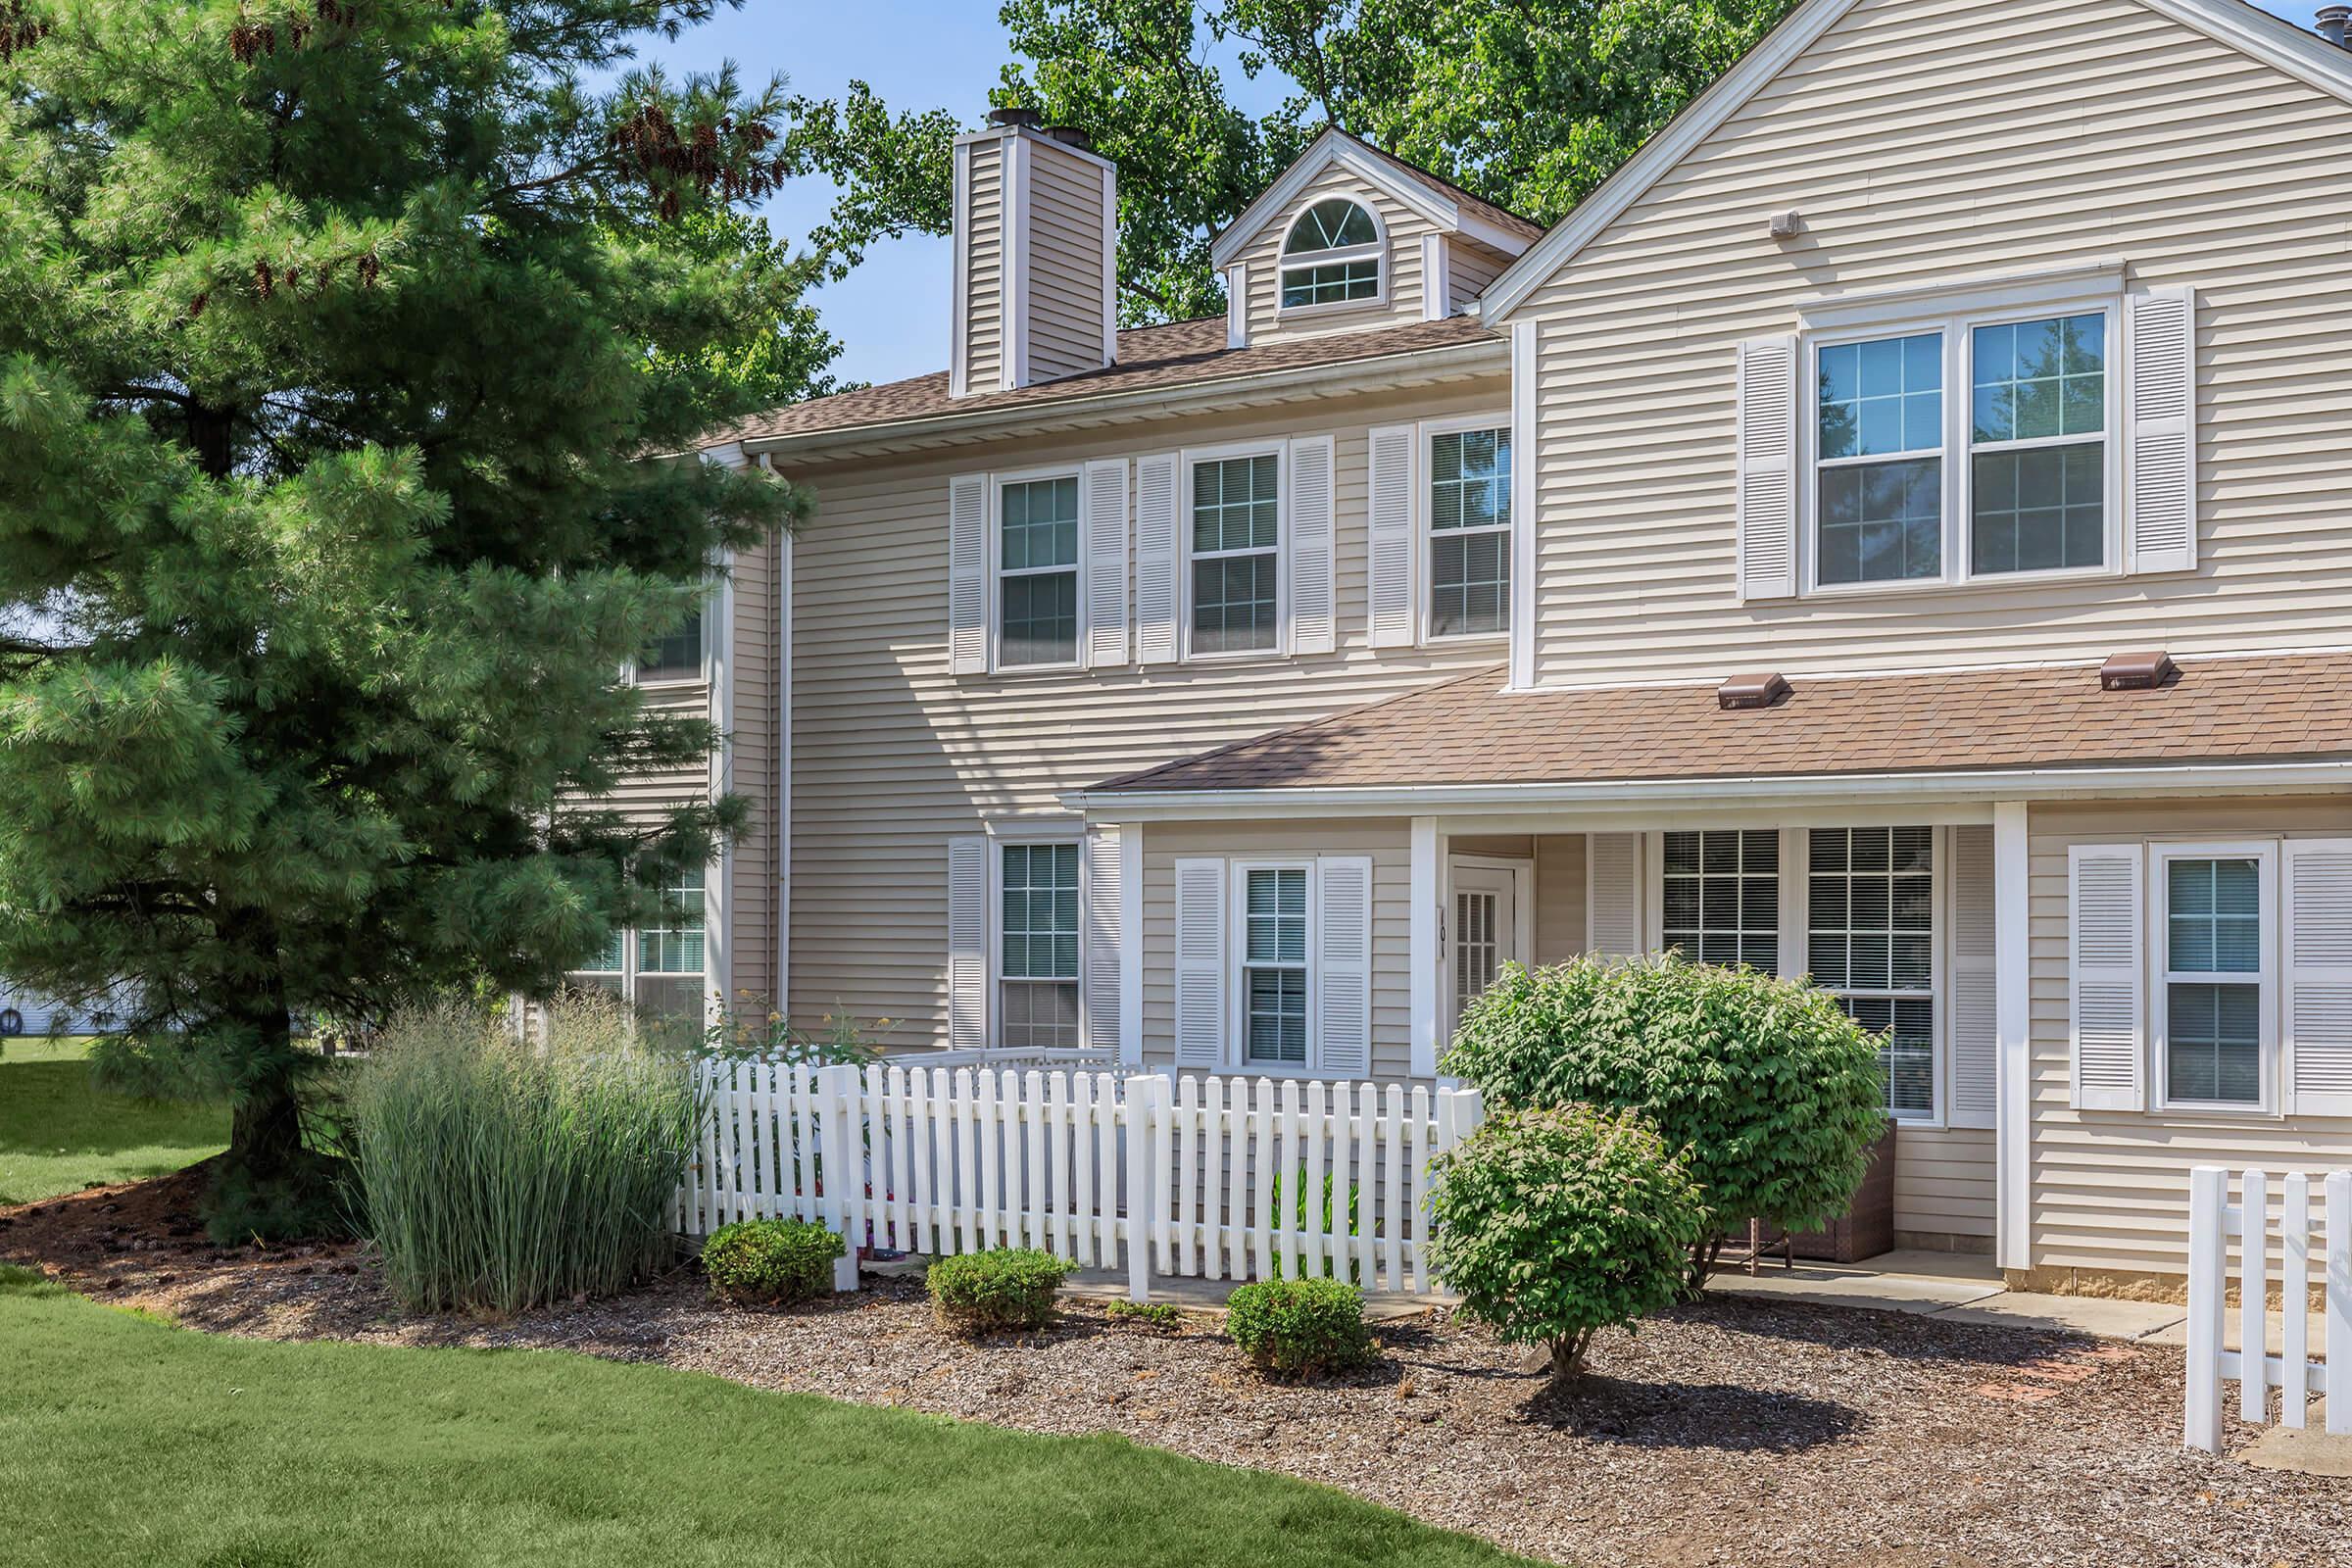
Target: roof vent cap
{"points": [[1740, 692], [2333, 22], [1014, 117], [2137, 673], [1071, 136]]}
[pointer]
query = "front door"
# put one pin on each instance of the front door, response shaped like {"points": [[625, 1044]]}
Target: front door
{"points": [[1485, 922]]}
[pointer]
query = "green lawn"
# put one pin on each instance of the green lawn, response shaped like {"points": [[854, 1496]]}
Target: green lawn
{"points": [[59, 1135], [127, 1441]]}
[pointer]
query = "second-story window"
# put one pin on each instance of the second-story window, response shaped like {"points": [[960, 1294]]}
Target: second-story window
{"points": [[675, 656], [1881, 446], [2038, 445], [1470, 533], [1331, 256], [1236, 554], [1037, 586]]}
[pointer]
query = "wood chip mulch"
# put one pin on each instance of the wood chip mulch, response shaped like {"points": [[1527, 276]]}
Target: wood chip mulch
{"points": [[1733, 1432]]}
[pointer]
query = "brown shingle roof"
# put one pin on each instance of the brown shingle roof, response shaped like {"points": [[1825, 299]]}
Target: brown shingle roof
{"points": [[1469, 731], [1151, 357]]}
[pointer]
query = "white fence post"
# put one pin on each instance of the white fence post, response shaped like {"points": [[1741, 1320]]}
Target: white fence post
{"points": [[1141, 1096], [2339, 1201], [2253, 1298], [2208, 1199], [842, 1110]]}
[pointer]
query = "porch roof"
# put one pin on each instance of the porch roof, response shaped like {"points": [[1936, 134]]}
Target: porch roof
{"points": [[1470, 731]]}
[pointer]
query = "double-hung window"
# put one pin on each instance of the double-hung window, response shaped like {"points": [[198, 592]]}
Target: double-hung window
{"points": [[1274, 963], [1036, 571], [1871, 942], [669, 952], [676, 656], [1038, 953], [1470, 532], [1722, 897], [2215, 946], [1236, 554], [1332, 256], [1980, 448]]}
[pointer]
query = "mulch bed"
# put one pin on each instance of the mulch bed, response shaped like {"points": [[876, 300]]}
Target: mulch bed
{"points": [[1733, 1432]]}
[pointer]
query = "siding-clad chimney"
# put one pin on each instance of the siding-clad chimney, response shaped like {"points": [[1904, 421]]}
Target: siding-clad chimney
{"points": [[1036, 240]]}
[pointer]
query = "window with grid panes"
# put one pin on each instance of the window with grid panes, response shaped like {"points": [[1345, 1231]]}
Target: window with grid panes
{"points": [[1037, 954], [1331, 256], [2038, 445], [1274, 924], [669, 952], [1871, 941], [676, 656], [1236, 554], [605, 971], [1036, 573], [1722, 896], [1470, 533], [2213, 980]]}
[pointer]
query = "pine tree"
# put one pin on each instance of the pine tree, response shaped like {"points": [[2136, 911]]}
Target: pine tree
{"points": [[346, 351]]}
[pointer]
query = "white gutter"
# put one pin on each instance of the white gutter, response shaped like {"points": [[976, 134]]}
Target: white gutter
{"points": [[1752, 790], [1034, 413]]}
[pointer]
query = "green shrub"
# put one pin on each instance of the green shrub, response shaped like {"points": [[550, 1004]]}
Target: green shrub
{"points": [[1160, 1315], [1299, 1328], [770, 1262], [1771, 1095], [985, 1293], [1552, 1225], [499, 1176]]}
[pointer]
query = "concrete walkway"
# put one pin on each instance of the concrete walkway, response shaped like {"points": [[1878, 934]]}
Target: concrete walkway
{"points": [[1956, 1286]]}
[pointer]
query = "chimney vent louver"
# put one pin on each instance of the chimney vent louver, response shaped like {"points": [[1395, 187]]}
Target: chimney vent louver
{"points": [[2334, 21]]}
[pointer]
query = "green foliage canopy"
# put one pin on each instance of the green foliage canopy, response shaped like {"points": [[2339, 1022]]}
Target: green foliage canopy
{"points": [[339, 335], [1530, 106], [1771, 1095]]}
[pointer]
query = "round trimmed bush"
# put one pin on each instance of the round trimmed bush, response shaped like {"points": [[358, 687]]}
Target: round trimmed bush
{"points": [[770, 1262], [1770, 1094], [1299, 1328], [993, 1291], [1552, 1225]]}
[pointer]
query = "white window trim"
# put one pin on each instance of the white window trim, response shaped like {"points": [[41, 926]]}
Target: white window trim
{"points": [[997, 483], [1237, 966], [1954, 316], [1377, 251], [1001, 837], [1190, 459], [2157, 894], [1425, 535]]}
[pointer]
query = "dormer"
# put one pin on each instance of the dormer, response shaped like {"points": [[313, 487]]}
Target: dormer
{"points": [[1352, 238], [1036, 256]]}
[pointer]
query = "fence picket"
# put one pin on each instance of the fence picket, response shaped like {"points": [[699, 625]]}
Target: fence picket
{"points": [[2338, 1202], [1106, 1148], [2294, 1298], [1417, 1142], [1309, 1210], [1367, 1178], [2253, 1299], [1393, 1176]]}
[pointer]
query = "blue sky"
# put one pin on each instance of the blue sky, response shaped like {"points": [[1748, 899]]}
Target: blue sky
{"points": [[892, 314]]}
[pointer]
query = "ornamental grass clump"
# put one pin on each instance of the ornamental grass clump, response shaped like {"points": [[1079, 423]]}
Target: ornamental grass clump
{"points": [[1768, 1093], [499, 1175], [1552, 1225]]}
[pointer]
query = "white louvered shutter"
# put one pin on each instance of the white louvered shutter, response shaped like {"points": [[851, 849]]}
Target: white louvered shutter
{"points": [[967, 574], [2104, 917], [1103, 521], [1344, 966], [1393, 452], [1613, 873], [1099, 937], [1199, 963], [968, 944], [2319, 976], [1767, 504], [1156, 598], [2160, 400], [1314, 544], [1973, 1096]]}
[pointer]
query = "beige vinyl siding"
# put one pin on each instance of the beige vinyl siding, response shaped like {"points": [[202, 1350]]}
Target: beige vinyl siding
{"points": [[1065, 196], [1386, 842], [2110, 1189], [756, 760], [984, 273], [1923, 142], [1560, 902], [1400, 264], [892, 756], [1472, 266], [1943, 1187]]}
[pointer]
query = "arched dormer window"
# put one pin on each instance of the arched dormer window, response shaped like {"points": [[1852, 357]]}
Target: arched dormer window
{"points": [[1333, 256]]}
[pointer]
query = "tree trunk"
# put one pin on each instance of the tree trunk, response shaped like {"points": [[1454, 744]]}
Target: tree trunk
{"points": [[265, 1131], [1568, 1358]]}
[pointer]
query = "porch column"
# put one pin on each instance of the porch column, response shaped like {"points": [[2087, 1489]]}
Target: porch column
{"points": [[2013, 990], [1426, 946]]}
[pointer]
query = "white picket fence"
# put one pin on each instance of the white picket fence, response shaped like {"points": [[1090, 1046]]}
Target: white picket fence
{"points": [[1194, 1177], [2256, 1220]]}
